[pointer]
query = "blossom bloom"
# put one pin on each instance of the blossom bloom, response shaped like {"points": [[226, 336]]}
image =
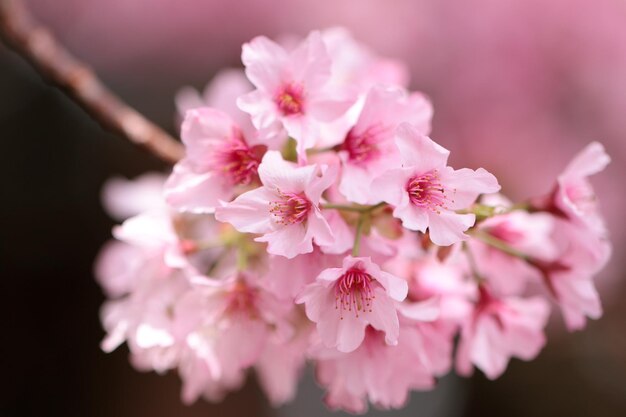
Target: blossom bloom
{"points": [[343, 301], [375, 371], [368, 148], [574, 194], [285, 210], [218, 159], [426, 193], [293, 91], [569, 277], [500, 329]]}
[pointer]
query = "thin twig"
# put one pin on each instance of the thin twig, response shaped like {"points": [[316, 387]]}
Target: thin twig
{"points": [[36, 44]]}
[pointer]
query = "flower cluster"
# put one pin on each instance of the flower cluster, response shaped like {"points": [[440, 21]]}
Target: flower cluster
{"points": [[313, 220]]}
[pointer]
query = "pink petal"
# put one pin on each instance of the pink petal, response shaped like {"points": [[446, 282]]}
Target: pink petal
{"points": [[203, 129], [310, 62], [589, 161], [413, 218], [288, 241], [391, 187], [248, 213], [419, 151], [447, 227], [280, 175], [264, 60], [384, 317], [396, 288], [193, 192], [463, 186], [319, 229]]}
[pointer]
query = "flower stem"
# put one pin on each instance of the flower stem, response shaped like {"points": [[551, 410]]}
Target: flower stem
{"points": [[357, 236], [357, 209], [498, 244], [472, 264]]}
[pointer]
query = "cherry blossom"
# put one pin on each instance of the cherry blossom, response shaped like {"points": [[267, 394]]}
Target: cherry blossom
{"points": [[574, 194], [343, 301], [285, 210], [500, 329], [219, 158], [368, 148], [293, 91], [426, 192]]}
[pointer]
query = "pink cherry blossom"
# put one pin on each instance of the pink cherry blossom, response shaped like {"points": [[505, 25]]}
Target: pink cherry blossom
{"points": [[218, 159], [529, 234], [343, 301], [369, 148], [501, 328], [574, 194], [285, 210], [142, 319], [218, 317], [376, 372], [426, 192], [293, 91], [570, 276]]}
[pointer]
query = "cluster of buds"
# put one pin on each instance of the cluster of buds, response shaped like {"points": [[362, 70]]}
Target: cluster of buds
{"points": [[313, 220]]}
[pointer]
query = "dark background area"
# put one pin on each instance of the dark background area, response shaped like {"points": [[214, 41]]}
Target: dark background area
{"points": [[54, 161]]}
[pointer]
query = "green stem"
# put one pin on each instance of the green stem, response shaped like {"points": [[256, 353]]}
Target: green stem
{"points": [[357, 235], [357, 209]]}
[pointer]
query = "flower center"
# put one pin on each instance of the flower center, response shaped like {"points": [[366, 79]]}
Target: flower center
{"points": [[354, 291], [290, 99], [362, 147], [238, 161], [425, 191], [291, 209], [241, 299]]}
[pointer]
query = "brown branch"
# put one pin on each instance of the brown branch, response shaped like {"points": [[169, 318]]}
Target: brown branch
{"points": [[35, 43]]}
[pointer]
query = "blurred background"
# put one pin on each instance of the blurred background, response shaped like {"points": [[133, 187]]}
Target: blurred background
{"points": [[518, 88]]}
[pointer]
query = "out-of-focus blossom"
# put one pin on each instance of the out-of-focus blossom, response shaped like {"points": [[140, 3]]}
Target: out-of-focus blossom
{"points": [[500, 329]]}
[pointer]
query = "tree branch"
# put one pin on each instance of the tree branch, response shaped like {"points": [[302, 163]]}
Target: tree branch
{"points": [[36, 44]]}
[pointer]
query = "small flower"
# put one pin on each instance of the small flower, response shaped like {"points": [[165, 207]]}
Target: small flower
{"points": [[218, 159], [426, 193], [569, 277], [285, 210], [574, 194], [343, 301], [292, 89], [369, 148], [500, 329], [375, 372], [528, 233]]}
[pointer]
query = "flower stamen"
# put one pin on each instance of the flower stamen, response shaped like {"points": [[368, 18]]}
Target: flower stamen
{"points": [[354, 290], [291, 209]]}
